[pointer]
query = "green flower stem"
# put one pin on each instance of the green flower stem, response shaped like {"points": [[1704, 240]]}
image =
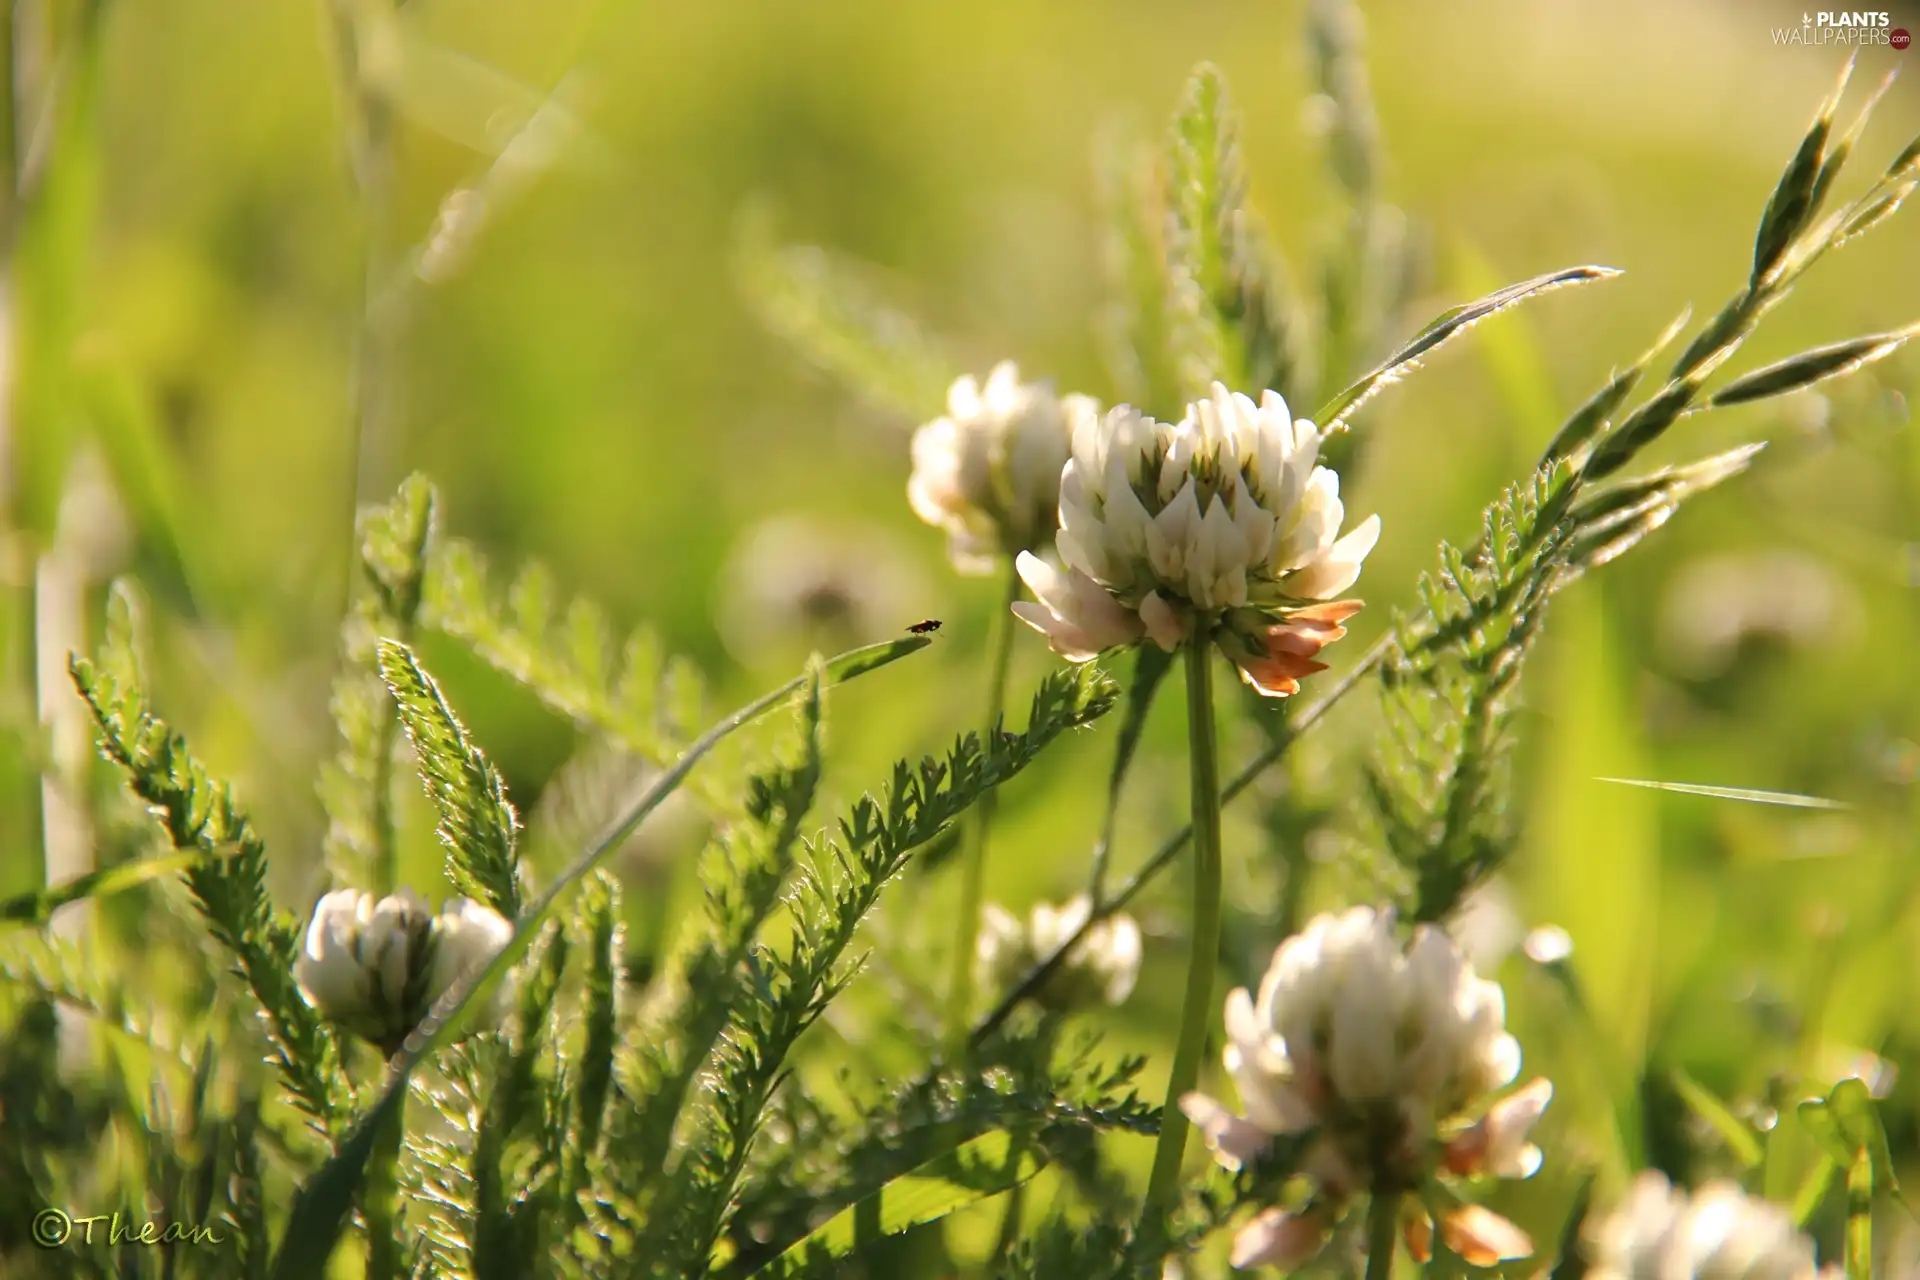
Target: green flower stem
{"points": [[1197, 1013], [1170, 848], [973, 861], [1383, 1216]]}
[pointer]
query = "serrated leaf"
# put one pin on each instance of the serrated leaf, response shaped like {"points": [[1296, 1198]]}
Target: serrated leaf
{"points": [[1230, 321], [314, 1228], [1446, 326], [1135, 314], [478, 825], [988, 1165]]}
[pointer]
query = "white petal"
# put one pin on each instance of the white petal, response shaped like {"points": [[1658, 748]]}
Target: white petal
{"points": [[1217, 562], [1164, 626], [1339, 568], [1233, 1140], [1277, 1238], [1170, 535]]}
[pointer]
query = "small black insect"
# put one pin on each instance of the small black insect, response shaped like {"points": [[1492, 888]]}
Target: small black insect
{"points": [[928, 627]]}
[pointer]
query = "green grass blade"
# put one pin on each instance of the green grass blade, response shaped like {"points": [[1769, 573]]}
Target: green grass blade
{"points": [[986, 1166], [315, 1224], [1740, 1139], [1813, 1190], [1744, 794], [1448, 325], [36, 908]]}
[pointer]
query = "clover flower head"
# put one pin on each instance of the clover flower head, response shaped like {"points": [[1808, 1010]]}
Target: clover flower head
{"points": [[376, 966], [1221, 524], [1102, 967], [988, 472], [1390, 1054], [1659, 1232]]}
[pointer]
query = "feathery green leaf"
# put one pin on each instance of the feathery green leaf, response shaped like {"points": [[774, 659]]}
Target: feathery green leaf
{"points": [[477, 823]]}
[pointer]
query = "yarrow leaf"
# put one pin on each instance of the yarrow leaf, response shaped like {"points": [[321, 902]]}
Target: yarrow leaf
{"points": [[478, 825]]}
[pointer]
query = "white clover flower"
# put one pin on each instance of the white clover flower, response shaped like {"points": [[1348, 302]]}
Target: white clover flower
{"points": [[1103, 967], [1220, 523], [1717, 605], [376, 966], [989, 471], [1383, 1050], [1718, 1233]]}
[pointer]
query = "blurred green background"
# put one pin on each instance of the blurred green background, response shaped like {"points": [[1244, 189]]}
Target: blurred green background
{"points": [[590, 388]]}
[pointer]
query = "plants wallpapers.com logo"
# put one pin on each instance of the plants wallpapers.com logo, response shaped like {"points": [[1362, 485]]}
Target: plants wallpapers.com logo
{"points": [[1844, 28]]}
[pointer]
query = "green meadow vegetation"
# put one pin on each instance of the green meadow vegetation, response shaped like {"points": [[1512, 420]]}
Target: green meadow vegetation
{"points": [[957, 641]]}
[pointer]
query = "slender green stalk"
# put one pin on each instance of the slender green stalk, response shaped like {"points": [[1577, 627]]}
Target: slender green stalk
{"points": [[1169, 849], [381, 1205], [1196, 1015], [1383, 1215], [973, 862], [369, 148]]}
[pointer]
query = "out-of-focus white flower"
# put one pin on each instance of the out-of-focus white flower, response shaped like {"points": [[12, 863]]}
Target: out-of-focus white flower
{"points": [[1384, 1051], [1103, 967], [377, 965], [794, 583], [1719, 1233], [1716, 604], [1220, 523], [1486, 925], [597, 785], [1278, 1238], [988, 473]]}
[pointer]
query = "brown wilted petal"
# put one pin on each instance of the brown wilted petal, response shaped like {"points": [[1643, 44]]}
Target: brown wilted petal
{"points": [[1287, 648]]}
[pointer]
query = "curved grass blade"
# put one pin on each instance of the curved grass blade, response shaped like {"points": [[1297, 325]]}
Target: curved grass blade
{"points": [[320, 1207], [35, 908], [1732, 1129], [1784, 798], [1448, 325], [992, 1163]]}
